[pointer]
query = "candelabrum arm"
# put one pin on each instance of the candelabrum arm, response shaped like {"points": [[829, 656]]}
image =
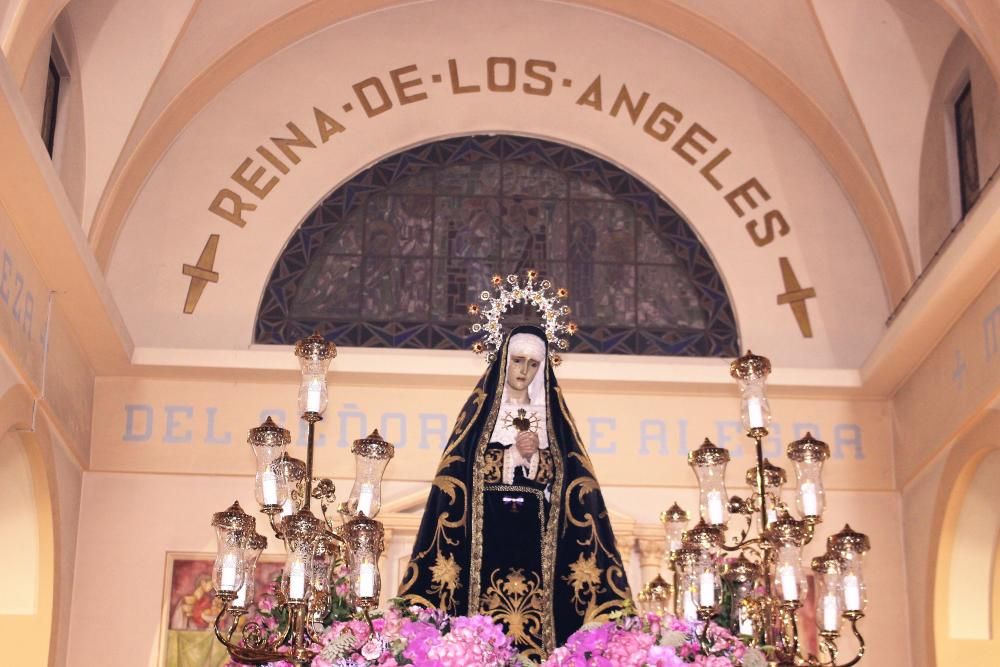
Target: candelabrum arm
{"points": [[855, 617], [276, 525], [256, 649], [829, 643], [742, 541]]}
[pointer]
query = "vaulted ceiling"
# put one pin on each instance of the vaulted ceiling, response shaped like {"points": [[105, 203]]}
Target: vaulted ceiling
{"points": [[856, 77]]}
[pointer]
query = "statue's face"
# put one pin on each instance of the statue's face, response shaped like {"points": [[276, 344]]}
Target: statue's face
{"points": [[522, 371]]}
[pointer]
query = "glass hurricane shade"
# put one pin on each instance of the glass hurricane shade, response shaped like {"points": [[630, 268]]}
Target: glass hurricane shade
{"points": [[790, 581], [774, 480], [755, 411], [232, 530], [742, 576], [371, 456], [654, 597], [849, 547], [314, 354], [709, 464], [686, 596], [829, 593], [268, 442], [807, 455], [245, 595], [300, 530], [229, 569], [364, 546], [750, 372], [294, 472], [674, 521], [708, 583]]}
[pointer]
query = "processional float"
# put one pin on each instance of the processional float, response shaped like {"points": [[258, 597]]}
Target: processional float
{"points": [[758, 592]]}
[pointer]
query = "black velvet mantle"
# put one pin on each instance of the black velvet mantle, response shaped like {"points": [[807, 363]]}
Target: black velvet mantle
{"points": [[544, 570]]}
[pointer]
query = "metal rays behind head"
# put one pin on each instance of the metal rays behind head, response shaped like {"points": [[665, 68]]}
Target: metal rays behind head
{"points": [[540, 294]]}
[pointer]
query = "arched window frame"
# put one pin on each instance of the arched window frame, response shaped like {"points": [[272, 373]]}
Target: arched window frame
{"points": [[277, 323]]}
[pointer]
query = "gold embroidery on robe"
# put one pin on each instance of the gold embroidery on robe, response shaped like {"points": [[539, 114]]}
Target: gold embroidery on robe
{"points": [[493, 466], [516, 600]]}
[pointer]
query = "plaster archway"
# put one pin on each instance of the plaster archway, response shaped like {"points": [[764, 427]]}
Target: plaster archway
{"points": [[27, 615], [965, 581], [875, 212]]}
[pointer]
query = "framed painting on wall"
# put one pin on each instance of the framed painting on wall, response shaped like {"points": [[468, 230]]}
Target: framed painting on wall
{"points": [[806, 619], [189, 609]]}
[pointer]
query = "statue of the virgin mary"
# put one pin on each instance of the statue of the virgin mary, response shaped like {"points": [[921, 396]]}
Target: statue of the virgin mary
{"points": [[515, 526]]}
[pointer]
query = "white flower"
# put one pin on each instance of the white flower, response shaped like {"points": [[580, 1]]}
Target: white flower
{"points": [[754, 658], [674, 638]]}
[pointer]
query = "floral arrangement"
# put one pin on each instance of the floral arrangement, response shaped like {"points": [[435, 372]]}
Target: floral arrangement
{"points": [[410, 635], [652, 641], [417, 636]]}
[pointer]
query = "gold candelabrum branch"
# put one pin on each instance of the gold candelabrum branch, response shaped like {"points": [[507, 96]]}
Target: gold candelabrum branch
{"points": [[765, 583], [315, 548]]}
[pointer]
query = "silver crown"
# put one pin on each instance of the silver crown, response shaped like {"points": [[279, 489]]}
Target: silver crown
{"points": [[540, 294]]}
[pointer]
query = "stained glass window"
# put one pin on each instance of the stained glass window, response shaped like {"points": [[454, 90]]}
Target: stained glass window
{"points": [[394, 256]]}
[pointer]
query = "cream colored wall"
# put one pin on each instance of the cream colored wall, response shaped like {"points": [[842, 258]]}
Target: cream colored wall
{"points": [[940, 200], [170, 220], [19, 525], [946, 623]]}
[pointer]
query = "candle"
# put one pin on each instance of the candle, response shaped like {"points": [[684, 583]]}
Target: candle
{"points": [[789, 583], [269, 487], [297, 581], [852, 593], [713, 506], [287, 507], [241, 596], [366, 580], [831, 613], [746, 625], [706, 589], [365, 497], [810, 500], [690, 610], [314, 393], [755, 412], [230, 569]]}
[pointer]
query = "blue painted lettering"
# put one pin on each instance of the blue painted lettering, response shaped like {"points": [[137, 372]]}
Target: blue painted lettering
{"points": [[173, 414], [597, 434], [135, 412]]}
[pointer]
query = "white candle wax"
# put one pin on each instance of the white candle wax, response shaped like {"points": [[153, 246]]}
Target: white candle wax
{"points": [[287, 507], [241, 596], [313, 395], [755, 412], [810, 499], [789, 583], [690, 609], [297, 581], [713, 506], [366, 580], [852, 593], [831, 613], [269, 487], [746, 625], [365, 497], [230, 569], [706, 589]]}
